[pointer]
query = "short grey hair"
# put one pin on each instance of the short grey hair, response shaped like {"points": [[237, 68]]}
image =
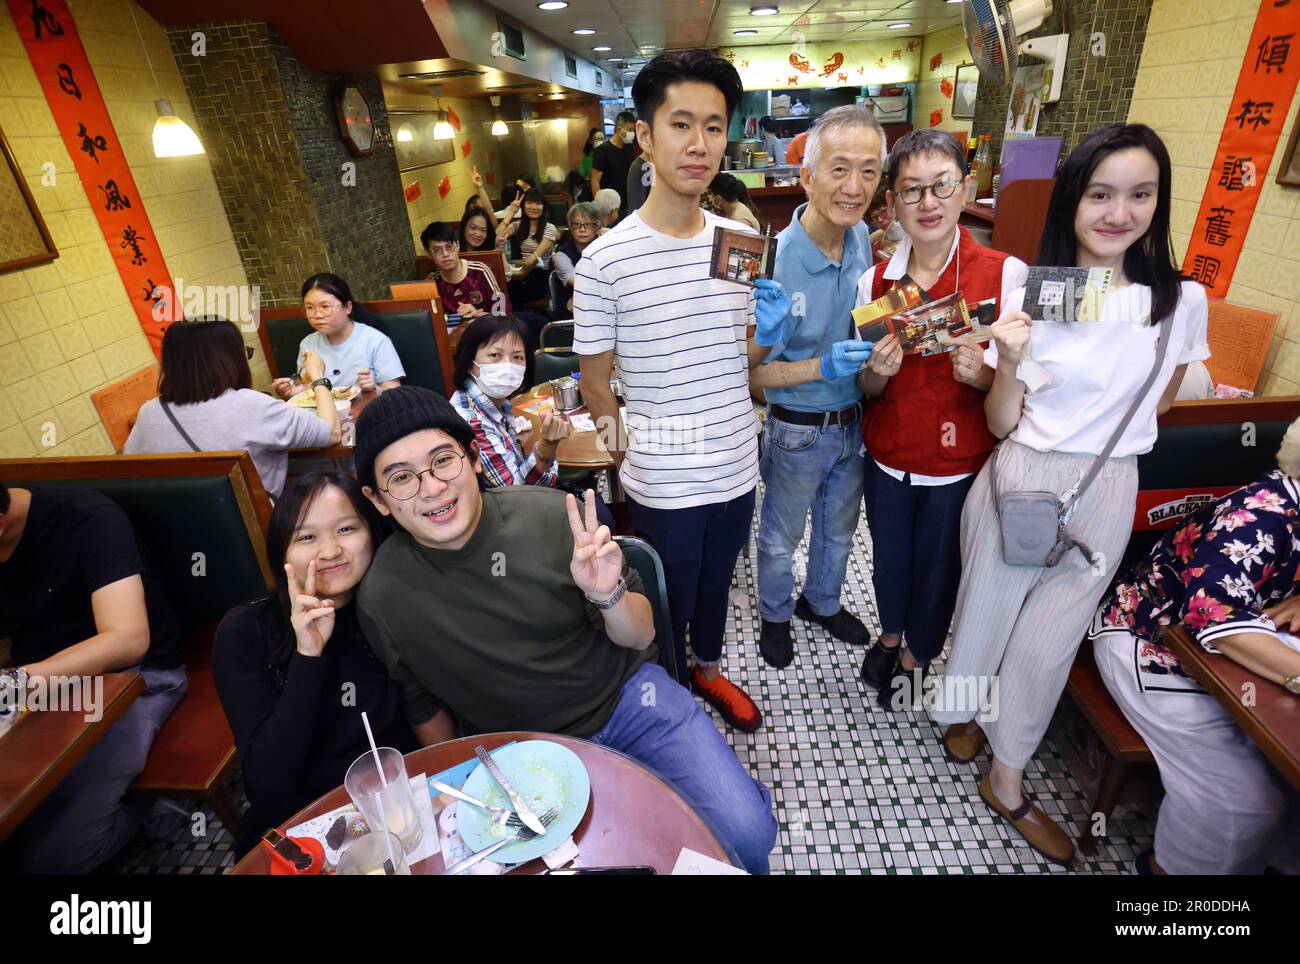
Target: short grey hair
{"points": [[847, 117], [607, 200], [587, 210]]}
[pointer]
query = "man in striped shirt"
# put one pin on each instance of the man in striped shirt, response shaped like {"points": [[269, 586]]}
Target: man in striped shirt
{"points": [[644, 298]]}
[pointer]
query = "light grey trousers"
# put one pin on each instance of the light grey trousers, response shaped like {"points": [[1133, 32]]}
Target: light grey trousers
{"points": [[1017, 628]]}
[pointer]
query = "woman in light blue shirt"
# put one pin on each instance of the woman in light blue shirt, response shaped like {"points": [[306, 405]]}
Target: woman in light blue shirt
{"points": [[354, 353]]}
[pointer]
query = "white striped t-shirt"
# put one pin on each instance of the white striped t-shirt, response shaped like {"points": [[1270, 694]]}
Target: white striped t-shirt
{"points": [[678, 337]]}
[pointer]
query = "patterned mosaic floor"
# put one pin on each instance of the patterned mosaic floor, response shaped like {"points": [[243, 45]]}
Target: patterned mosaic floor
{"points": [[857, 789]]}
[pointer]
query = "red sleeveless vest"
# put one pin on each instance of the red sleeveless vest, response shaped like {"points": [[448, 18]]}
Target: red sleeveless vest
{"points": [[926, 421]]}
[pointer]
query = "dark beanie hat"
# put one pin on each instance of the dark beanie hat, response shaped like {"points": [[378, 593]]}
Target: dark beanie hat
{"points": [[397, 413]]}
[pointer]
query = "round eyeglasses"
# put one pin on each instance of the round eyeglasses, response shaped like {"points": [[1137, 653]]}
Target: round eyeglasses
{"points": [[942, 189], [405, 484]]}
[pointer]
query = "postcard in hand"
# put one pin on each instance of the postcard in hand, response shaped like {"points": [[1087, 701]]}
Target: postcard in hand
{"points": [[934, 327], [742, 257], [1066, 294], [870, 318]]}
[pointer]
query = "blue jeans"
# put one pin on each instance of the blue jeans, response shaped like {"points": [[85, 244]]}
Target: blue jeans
{"points": [[916, 562], [675, 739], [699, 546], [807, 467]]}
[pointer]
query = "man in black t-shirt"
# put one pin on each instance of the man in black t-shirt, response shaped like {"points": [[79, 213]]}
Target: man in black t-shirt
{"points": [[77, 600], [611, 161]]}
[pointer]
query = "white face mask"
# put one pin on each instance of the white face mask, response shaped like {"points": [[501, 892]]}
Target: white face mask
{"points": [[500, 379]]}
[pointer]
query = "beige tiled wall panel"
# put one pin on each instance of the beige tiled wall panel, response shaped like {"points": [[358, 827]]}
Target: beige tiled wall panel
{"points": [[929, 96], [68, 328], [1190, 63]]}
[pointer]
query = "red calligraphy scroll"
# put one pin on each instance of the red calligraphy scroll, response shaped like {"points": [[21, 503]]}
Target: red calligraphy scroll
{"points": [[1265, 87], [63, 70]]}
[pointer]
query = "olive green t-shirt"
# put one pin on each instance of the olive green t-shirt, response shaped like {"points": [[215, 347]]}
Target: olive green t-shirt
{"points": [[496, 631]]}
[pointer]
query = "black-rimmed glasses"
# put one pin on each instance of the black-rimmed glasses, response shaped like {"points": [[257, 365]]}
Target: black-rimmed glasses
{"points": [[942, 189], [405, 484]]}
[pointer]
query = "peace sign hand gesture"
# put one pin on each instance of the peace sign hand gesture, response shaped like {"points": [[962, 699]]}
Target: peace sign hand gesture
{"points": [[475, 177], [312, 618], [597, 561]]}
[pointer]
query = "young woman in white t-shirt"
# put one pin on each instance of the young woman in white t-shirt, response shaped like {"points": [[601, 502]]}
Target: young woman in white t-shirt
{"points": [[1017, 628]]}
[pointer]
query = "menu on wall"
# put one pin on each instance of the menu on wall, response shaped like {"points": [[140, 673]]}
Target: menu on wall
{"points": [[1239, 338]]}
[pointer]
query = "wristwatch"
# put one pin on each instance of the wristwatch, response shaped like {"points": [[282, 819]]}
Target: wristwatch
{"points": [[322, 382], [1293, 684], [612, 601]]}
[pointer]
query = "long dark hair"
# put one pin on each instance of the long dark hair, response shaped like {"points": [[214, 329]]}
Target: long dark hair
{"points": [[588, 147], [1150, 259], [476, 212], [201, 359], [539, 232], [484, 330], [286, 517], [732, 190]]}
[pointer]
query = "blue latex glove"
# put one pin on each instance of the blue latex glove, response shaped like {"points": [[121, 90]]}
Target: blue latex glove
{"points": [[771, 306], [845, 358]]}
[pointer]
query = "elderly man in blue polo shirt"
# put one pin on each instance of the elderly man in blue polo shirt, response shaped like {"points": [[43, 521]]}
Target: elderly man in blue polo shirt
{"points": [[811, 445]]}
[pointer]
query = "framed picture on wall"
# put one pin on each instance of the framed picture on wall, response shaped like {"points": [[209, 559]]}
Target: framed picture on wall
{"points": [[1288, 172], [413, 140], [965, 87], [25, 241]]}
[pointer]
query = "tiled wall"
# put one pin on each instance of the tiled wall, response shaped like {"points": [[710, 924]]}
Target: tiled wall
{"points": [[485, 151], [1105, 46], [67, 328], [279, 158], [245, 123], [1190, 63], [949, 44], [362, 219]]}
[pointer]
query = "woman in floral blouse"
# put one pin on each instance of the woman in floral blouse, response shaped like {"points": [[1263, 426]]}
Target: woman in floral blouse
{"points": [[1221, 573]]}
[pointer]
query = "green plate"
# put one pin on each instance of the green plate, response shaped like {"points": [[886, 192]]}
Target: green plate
{"points": [[545, 775]]}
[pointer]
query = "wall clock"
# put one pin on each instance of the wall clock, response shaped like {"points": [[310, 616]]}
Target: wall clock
{"points": [[355, 121]]}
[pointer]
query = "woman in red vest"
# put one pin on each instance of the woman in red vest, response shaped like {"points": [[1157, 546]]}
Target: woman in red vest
{"points": [[1069, 388], [924, 427]]}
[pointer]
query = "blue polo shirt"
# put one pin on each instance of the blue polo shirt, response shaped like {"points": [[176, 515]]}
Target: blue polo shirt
{"points": [[829, 292]]}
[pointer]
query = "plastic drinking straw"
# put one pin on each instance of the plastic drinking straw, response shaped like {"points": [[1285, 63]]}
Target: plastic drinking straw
{"points": [[388, 837], [374, 750]]}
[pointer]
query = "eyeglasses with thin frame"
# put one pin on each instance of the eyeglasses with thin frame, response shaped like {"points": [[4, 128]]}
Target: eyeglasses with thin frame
{"points": [[941, 189], [320, 309], [405, 484]]}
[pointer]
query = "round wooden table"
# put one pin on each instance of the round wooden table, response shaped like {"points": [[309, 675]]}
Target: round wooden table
{"points": [[634, 817], [581, 450]]}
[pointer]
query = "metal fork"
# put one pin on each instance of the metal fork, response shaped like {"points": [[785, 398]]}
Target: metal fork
{"points": [[523, 833], [501, 816]]}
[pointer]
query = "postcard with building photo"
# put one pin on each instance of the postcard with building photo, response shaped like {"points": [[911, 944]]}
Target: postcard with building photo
{"points": [[870, 319], [933, 327], [742, 257], [1066, 294]]}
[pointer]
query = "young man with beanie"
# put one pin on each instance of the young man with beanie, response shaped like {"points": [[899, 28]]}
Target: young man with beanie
{"points": [[517, 612], [645, 298], [811, 461]]}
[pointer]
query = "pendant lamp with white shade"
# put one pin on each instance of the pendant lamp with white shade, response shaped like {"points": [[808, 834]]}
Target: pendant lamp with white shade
{"points": [[172, 137]]}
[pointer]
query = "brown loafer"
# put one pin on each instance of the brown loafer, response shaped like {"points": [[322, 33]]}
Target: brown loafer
{"points": [[963, 742], [1045, 837]]}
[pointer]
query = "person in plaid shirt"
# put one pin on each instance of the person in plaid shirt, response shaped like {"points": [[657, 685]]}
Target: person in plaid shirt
{"points": [[1221, 573], [491, 366]]}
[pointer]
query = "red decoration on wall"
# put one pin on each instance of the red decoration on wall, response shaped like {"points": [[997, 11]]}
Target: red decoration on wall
{"points": [[412, 191], [70, 88], [945, 87], [453, 119], [896, 55], [842, 77], [444, 187], [833, 64], [936, 118], [911, 45], [1266, 83], [794, 79], [800, 64], [465, 148], [935, 62], [490, 178]]}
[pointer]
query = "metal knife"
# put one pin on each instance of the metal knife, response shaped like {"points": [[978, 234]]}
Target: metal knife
{"points": [[527, 816]]}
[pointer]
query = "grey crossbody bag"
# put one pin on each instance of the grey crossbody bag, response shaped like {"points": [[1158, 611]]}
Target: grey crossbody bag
{"points": [[1035, 525]]}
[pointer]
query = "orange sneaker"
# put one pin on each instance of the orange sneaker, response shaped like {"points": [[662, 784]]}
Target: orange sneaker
{"points": [[732, 702]]}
